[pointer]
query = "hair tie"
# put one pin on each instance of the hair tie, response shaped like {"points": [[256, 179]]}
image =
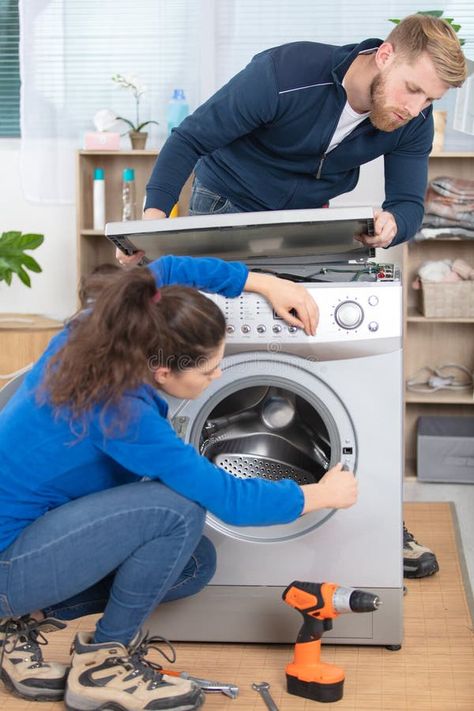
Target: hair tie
{"points": [[156, 297]]}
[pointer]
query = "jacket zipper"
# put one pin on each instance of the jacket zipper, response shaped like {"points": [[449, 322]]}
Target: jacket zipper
{"points": [[324, 156], [320, 166]]}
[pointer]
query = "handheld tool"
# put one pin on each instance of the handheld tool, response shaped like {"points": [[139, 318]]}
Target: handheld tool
{"points": [[207, 685], [264, 690], [320, 603]]}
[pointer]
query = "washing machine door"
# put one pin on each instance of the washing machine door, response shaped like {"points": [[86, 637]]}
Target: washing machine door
{"points": [[269, 415]]}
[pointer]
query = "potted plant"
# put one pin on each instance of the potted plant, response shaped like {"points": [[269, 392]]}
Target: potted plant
{"points": [[138, 137], [13, 259]]}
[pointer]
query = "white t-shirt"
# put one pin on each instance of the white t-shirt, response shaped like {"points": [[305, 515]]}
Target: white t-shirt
{"points": [[347, 123]]}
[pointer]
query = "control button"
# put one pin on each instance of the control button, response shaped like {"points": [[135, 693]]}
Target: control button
{"points": [[349, 314], [373, 326], [292, 329], [373, 300], [245, 328], [261, 328], [276, 328], [230, 328]]}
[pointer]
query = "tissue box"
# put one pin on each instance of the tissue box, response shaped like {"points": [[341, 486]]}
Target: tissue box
{"points": [[445, 449], [102, 141]]}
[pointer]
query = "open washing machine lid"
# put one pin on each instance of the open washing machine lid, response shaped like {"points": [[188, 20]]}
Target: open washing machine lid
{"points": [[323, 235]]}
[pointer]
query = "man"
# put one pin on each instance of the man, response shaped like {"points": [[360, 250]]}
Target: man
{"points": [[292, 129]]}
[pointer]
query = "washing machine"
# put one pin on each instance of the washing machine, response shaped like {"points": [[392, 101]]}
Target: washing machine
{"points": [[292, 405]]}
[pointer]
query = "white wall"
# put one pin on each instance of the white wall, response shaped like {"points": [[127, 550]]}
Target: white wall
{"points": [[53, 292]]}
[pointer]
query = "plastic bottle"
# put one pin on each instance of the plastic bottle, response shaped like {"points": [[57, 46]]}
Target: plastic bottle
{"points": [[129, 195], [98, 199], [177, 109]]}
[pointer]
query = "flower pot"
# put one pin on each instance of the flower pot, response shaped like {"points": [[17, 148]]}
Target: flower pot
{"points": [[138, 139]]}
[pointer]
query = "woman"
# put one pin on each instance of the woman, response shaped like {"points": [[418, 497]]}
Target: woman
{"points": [[80, 531]]}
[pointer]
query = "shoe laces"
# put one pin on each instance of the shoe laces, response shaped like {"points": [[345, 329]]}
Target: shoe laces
{"points": [[146, 669], [24, 633], [407, 536]]}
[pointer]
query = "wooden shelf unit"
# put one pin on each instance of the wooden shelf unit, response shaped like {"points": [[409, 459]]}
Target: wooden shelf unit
{"points": [[93, 248], [24, 337], [435, 341]]}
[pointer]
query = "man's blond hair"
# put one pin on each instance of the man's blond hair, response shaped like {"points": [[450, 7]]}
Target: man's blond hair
{"points": [[423, 33]]}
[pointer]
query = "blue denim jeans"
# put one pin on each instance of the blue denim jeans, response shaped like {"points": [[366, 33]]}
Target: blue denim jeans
{"points": [[206, 202], [121, 551]]}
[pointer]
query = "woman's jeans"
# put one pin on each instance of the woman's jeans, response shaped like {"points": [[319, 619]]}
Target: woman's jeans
{"points": [[205, 202], [121, 551]]}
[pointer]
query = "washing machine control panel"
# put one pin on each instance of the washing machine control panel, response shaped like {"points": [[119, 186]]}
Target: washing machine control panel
{"points": [[354, 313]]}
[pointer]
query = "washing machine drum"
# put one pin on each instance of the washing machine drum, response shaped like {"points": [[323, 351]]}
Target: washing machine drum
{"points": [[272, 437]]}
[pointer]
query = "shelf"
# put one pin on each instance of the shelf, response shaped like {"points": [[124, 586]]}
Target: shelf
{"points": [[413, 315], [144, 152], [453, 154], [441, 397]]}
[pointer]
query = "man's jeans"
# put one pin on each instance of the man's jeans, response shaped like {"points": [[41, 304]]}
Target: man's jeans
{"points": [[205, 202], [121, 551]]}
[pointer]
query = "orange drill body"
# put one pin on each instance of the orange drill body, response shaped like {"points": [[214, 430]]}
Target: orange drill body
{"points": [[320, 603]]}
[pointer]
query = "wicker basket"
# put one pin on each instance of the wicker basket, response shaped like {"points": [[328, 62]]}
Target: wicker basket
{"points": [[447, 300]]}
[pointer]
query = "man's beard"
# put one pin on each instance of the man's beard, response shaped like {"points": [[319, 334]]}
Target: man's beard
{"points": [[381, 116]]}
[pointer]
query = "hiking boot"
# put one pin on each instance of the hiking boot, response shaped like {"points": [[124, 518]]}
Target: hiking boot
{"points": [[22, 668], [111, 676], [418, 560]]}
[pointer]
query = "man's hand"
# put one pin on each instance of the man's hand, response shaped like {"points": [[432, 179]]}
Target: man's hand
{"points": [[152, 213], [132, 260], [385, 230], [286, 296]]}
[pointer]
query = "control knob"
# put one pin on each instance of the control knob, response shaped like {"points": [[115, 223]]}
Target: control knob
{"points": [[349, 314]]}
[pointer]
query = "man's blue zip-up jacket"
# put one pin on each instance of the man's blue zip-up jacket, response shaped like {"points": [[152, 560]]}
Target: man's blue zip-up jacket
{"points": [[261, 140]]}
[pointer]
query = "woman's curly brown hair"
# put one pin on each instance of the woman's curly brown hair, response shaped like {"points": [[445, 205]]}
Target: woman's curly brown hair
{"points": [[115, 346]]}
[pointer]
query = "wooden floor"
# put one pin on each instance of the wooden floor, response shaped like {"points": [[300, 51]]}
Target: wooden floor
{"points": [[434, 670]]}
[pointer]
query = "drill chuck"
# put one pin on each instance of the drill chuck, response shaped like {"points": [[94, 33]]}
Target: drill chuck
{"points": [[352, 600]]}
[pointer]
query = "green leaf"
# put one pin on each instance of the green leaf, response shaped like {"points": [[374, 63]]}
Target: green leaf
{"points": [[9, 237], [396, 22], [30, 241], [120, 118], [433, 13], [31, 264], [145, 123], [13, 259]]}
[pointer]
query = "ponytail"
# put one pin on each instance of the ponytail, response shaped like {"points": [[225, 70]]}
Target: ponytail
{"points": [[131, 330]]}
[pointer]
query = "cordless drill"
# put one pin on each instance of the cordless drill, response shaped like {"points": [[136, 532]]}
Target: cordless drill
{"points": [[320, 603]]}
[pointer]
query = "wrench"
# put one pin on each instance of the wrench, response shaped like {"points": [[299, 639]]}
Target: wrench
{"points": [[263, 690], [230, 690]]}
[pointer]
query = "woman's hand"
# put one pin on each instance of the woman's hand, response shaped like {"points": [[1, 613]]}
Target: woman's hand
{"points": [[286, 296], [132, 260], [336, 490]]}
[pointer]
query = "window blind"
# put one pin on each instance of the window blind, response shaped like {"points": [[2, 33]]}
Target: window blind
{"points": [[244, 27], [73, 47], [9, 69]]}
